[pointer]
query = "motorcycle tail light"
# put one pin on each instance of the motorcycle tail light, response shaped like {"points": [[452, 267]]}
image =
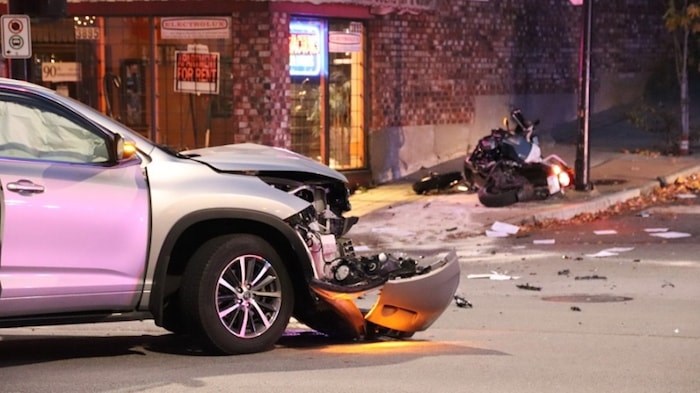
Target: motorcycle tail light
{"points": [[556, 169], [564, 179]]}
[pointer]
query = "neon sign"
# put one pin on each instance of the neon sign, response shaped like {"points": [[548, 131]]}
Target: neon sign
{"points": [[307, 50]]}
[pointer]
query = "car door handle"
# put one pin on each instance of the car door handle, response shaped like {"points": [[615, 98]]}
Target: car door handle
{"points": [[24, 187]]}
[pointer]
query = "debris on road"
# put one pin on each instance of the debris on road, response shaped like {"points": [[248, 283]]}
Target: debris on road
{"points": [[564, 272], [496, 276], [670, 235], [529, 287], [543, 241], [574, 308], [667, 284], [461, 302], [593, 277], [655, 230], [602, 254], [603, 232], [610, 252], [502, 229]]}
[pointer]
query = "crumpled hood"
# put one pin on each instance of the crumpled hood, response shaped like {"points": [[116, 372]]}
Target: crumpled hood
{"points": [[255, 157]]}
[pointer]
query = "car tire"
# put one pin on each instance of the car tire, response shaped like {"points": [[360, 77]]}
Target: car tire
{"points": [[237, 294]]}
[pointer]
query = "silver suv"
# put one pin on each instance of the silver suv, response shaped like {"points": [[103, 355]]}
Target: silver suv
{"points": [[224, 243]]}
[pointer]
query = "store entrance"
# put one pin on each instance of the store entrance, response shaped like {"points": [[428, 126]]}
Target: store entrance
{"points": [[327, 71]]}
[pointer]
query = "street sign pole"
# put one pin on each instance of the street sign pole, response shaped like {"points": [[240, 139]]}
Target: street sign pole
{"points": [[19, 67], [582, 164]]}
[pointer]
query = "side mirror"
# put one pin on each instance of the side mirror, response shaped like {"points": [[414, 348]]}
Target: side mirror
{"points": [[125, 149]]}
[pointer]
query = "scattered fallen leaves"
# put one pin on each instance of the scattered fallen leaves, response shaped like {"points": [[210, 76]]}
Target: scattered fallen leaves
{"points": [[658, 196]]}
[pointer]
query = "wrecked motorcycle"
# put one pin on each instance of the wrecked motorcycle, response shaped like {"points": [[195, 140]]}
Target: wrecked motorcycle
{"points": [[507, 166]]}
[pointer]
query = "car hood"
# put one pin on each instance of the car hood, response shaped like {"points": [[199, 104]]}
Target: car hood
{"points": [[245, 157]]}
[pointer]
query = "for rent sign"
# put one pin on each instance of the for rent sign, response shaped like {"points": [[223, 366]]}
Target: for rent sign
{"points": [[197, 71]]}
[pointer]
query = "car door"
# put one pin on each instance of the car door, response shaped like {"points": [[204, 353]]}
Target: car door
{"points": [[74, 222]]}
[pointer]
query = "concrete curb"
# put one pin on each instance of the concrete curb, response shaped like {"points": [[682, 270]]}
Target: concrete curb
{"points": [[599, 203]]}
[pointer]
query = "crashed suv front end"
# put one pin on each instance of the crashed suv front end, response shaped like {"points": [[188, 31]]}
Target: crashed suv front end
{"points": [[406, 293]]}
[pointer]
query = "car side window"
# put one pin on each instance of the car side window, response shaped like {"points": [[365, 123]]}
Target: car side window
{"points": [[32, 132]]}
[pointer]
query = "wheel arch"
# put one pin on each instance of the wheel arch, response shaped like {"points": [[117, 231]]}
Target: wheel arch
{"points": [[191, 231]]}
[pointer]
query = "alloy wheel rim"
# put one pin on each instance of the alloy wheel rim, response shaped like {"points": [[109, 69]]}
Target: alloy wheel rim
{"points": [[248, 296]]}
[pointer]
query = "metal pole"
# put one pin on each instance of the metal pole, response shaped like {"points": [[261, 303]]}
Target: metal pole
{"points": [[154, 133], [583, 168], [18, 67]]}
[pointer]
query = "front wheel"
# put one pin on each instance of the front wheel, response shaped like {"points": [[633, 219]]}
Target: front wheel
{"points": [[237, 294]]}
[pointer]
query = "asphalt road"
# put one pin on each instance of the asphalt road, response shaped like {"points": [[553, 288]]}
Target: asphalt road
{"points": [[625, 323]]}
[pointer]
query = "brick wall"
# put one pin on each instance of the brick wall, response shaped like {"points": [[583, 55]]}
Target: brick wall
{"points": [[427, 68], [260, 53]]}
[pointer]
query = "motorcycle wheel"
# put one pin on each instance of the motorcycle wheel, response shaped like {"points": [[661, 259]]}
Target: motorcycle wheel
{"points": [[436, 181], [491, 196]]}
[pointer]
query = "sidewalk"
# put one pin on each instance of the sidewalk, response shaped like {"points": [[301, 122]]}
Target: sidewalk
{"points": [[393, 213]]}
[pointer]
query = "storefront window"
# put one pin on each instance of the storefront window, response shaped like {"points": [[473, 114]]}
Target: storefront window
{"points": [[189, 82], [327, 74]]}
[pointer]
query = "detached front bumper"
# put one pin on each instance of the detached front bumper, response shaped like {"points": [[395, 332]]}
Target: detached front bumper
{"points": [[404, 304]]}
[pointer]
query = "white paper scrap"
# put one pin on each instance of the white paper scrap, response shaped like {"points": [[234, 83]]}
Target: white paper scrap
{"points": [[606, 232], [671, 235], [686, 196], [655, 230], [505, 227], [618, 250], [361, 248], [496, 276], [490, 233], [543, 241], [602, 254]]}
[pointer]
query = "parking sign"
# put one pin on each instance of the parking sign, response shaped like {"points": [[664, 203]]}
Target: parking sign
{"points": [[16, 37]]}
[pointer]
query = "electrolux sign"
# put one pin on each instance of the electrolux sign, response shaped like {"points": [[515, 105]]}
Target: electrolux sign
{"points": [[307, 50]]}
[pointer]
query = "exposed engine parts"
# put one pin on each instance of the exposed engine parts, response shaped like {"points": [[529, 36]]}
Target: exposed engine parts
{"points": [[376, 268]]}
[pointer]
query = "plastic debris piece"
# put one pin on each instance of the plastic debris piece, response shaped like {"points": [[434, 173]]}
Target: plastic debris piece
{"points": [[671, 235], [543, 241], [619, 249], [574, 308], [490, 233], [655, 230], [461, 302], [496, 276], [602, 254], [605, 232], [529, 287], [361, 248], [644, 214], [505, 227]]}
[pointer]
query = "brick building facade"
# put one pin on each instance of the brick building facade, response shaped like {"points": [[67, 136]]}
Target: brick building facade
{"points": [[436, 75]]}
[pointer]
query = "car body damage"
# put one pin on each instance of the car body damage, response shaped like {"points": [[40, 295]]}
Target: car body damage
{"points": [[412, 291], [224, 244]]}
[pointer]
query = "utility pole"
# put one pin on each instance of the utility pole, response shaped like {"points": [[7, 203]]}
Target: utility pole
{"points": [[582, 165]]}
